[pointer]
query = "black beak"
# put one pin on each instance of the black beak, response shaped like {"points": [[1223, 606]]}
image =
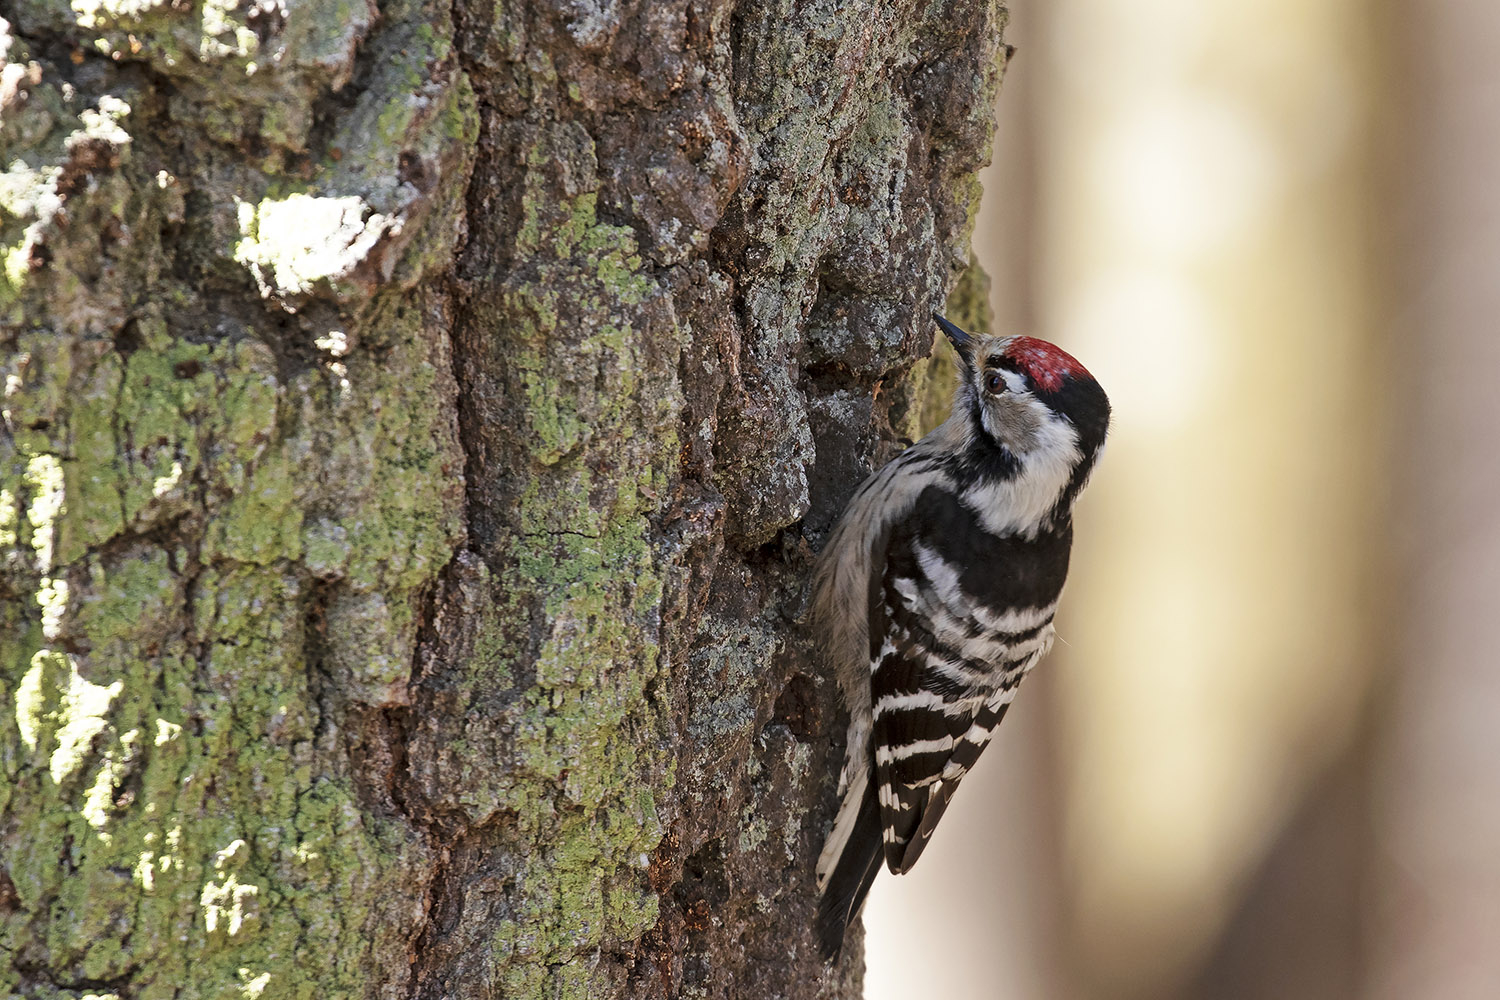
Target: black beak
{"points": [[962, 342]]}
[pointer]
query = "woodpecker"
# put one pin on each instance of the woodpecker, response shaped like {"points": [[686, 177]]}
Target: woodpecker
{"points": [[934, 597]]}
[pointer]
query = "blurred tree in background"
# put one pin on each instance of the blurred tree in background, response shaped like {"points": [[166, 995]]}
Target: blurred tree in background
{"points": [[1262, 761]]}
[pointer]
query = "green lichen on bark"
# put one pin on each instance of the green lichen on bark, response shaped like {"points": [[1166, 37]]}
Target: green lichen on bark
{"points": [[590, 358], [222, 497], [187, 718], [631, 404]]}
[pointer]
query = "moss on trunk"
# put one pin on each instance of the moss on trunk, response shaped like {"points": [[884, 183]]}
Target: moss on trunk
{"points": [[417, 421]]}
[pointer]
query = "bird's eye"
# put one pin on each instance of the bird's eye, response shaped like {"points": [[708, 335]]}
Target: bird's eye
{"points": [[994, 383]]}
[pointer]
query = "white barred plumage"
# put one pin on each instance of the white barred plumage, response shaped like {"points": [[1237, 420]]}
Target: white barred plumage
{"points": [[935, 594]]}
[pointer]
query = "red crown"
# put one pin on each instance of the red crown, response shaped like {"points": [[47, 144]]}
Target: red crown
{"points": [[1046, 363]]}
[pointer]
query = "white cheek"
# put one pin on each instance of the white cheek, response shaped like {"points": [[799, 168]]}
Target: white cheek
{"points": [[1020, 505]]}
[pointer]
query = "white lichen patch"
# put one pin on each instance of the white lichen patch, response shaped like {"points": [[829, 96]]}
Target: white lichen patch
{"points": [[32, 697], [82, 712], [291, 244], [99, 798], [44, 477], [252, 985], [103, 13], [9, 517], [335, 342], [163, 485], [144, 873], [230, 906], [52, 599], [27, 192], [223, 34], [235, 852], [103, 122]]}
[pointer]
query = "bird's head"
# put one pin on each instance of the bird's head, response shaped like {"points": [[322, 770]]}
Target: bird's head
{"points": [[1032, 402]]}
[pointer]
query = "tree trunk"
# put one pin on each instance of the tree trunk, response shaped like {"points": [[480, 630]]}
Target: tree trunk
{"points": [[417, 424]]}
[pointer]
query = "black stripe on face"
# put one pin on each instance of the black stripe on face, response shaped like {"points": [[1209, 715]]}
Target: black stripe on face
{"points": [[985, 459]]}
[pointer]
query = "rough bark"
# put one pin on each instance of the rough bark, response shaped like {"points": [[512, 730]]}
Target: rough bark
{"points": [[418, 420]]}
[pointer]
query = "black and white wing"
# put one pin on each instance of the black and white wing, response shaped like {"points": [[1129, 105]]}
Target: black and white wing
{"points": [[939, 687], [944, 664]]}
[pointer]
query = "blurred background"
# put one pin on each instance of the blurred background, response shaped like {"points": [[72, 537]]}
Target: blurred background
{"points": [[1264, 758]]}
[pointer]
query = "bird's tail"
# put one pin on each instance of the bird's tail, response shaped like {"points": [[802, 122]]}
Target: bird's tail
{"points": [[850, 861]]}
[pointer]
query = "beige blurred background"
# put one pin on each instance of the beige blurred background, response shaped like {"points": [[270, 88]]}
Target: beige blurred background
{"points": [[1264, 759]]}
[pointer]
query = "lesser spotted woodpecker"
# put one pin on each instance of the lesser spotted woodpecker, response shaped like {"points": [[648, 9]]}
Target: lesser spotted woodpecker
{"points": [[935, 593]]}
